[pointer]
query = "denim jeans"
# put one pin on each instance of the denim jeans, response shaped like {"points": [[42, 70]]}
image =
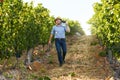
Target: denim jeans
{"points": [[61, 49]]}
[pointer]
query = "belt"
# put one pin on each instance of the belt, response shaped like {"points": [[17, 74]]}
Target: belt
{"points": [[59, 38]]}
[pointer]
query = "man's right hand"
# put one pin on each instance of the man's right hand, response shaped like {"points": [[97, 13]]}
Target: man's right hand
{"points": [[49, 42]]}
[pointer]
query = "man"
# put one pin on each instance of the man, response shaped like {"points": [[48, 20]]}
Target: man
{"points": [[60, 42]]}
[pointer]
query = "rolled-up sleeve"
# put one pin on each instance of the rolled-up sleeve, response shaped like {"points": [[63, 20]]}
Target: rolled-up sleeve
{"points": [[65, 27]]}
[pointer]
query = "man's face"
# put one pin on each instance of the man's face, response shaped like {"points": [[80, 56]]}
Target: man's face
{"points": [[58, 21]]}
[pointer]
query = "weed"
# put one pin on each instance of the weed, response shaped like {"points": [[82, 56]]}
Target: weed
{"points": [[72, 74], [103, 54], [44, 78], [94, 43], [34, 76], [50, 58]]}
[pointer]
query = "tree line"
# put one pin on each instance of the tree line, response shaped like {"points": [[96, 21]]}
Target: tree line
{"points": [[105, 24], [23, 26]]}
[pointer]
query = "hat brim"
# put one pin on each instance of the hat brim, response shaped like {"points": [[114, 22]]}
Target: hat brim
{"points": [[57, 19]]}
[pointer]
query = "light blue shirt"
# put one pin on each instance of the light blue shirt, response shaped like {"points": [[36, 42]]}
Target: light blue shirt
{"points": [[58, 31]]}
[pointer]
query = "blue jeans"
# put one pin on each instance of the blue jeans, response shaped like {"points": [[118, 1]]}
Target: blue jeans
{"points": [[61, 49]]}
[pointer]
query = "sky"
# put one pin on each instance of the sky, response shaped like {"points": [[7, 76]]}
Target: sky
{"points": [[80, 10]]}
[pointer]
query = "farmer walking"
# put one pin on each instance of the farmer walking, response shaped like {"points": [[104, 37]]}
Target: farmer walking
{"points": [[58, 31]]}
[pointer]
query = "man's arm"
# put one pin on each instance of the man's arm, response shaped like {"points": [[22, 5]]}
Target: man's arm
{"points": [[67, 28], [51, 35]]}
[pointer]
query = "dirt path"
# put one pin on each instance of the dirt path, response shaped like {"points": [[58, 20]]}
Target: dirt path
{"points": [[82, 62]]}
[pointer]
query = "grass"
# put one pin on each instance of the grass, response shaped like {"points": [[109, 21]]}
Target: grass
{"points": [[8, 75], [44, 78]]}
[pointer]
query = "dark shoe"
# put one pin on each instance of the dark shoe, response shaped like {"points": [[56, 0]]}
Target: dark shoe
{"points": [[63, 61], [60, 65]]}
